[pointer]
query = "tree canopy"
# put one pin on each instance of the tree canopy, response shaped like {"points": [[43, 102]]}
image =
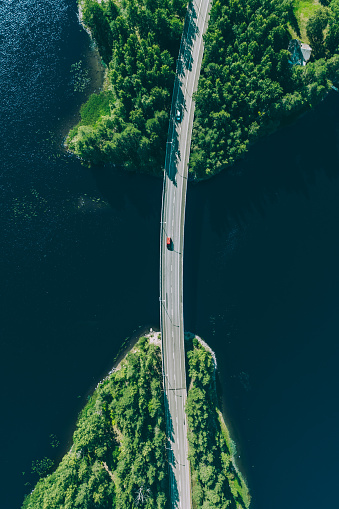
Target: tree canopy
{"points": [[118, 454], [247, 85], [216, 481], [118, 459], [139, 43]]}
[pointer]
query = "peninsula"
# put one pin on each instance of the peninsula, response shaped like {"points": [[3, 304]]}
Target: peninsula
{"points": [[119, 454]]}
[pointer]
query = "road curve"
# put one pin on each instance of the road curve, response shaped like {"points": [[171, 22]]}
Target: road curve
{"points": [[171, 259]]}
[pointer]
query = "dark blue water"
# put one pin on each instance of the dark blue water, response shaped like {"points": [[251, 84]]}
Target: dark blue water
{"points": [[79, 249], [79, 273], [262, 279]]}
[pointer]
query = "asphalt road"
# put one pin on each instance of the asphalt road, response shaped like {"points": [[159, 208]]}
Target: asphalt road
{"points": [[171, 259]]}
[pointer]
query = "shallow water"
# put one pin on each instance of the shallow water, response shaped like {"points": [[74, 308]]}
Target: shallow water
{"points": [[79, 273]]}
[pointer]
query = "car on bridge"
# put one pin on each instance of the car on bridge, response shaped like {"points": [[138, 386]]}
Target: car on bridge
{"points": [[169, 243]]}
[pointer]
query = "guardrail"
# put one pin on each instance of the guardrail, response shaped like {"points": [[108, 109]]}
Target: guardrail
{"points": [[179, 96]]}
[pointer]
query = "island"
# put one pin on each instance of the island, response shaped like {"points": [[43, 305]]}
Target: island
{"points": [[249, 83], [119, 455]]}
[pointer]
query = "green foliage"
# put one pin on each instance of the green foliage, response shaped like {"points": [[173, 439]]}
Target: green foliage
{"points": [[96, 107], [54, 441], [118, 458], [118, 454], [216, 482], [332, 35], [80, 77], [315, 28], [247, 86], [139, 41], [94, 16], [42, 467], [303, 10]]}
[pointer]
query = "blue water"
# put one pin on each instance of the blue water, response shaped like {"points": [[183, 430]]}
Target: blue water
{"points": [[79, 273], [262, 276], [79, 248]]}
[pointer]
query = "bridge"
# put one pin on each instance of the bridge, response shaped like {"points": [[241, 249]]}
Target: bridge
{"points": [[171, 255]]}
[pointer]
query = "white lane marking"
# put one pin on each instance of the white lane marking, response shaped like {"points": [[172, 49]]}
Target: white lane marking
{"points": [[182, 505]]}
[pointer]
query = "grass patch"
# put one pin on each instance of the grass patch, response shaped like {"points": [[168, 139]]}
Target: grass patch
{"points": [[97, 106], [303, 10]]}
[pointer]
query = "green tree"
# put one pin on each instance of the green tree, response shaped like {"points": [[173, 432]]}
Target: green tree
{"points": [[95, 19], [315, 28]]}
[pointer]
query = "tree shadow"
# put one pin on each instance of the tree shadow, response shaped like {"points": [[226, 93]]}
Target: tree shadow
{"points": [[169, 422], [170, 455], [174, 491], [286, 161], [190, 32], [173, 155], [294, 22], [280, 169], [178, 106], [118, 187]]}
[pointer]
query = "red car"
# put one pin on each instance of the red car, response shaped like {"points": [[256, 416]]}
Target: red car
{"points": [[169, 242]]}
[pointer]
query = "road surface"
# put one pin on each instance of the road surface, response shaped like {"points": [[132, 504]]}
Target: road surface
{"points": [[171, 259]]}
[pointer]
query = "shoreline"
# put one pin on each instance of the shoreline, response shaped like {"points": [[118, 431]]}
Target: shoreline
{"points": [[208, 430], [126, 347], [97, 77], [96, 411], [225, 425], [154, 336]]}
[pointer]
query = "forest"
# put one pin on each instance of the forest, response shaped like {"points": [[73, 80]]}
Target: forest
{"points": [[247, 87], [216, 481], [126, 124], [118, 459]]}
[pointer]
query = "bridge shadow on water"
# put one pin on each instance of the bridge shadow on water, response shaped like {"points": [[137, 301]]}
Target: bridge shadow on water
{"points": [[120, 188], [178, 107], [282, 167], [287, 161]]}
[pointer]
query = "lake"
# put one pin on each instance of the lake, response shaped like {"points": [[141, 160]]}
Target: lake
{"points": [[80, 261]]}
